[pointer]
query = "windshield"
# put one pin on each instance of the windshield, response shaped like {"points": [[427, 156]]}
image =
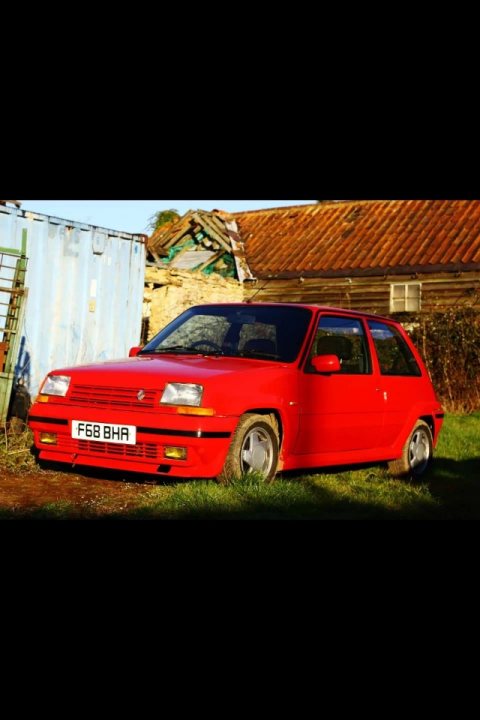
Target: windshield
{"points": [[258, 331]]}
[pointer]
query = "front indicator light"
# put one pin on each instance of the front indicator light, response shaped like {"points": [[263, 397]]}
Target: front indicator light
{"points": [[175, 453], [48, 438], [187, 410], [41, 398]]}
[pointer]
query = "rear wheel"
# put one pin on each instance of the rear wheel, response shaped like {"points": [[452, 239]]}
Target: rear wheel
{"points": [[254, 449], [417, 453]]}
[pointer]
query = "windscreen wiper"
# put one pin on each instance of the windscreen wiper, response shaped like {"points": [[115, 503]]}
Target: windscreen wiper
{"points": [[258, 354], [174, 349]]}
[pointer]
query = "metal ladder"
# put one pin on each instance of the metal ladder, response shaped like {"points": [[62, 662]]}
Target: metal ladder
{"points": [[13, 293]]}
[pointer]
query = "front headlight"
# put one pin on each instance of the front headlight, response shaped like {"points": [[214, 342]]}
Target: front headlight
{"points": [[182, 394], [56, 385]]}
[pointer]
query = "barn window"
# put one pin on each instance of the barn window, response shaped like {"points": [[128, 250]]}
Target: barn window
{"points": [[405, 297]]}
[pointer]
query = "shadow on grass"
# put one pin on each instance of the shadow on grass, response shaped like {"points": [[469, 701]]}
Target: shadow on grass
{"points": [[456, 485], [288, 501], [298, 500], [97, 473], [329, 470], [450, 491]]}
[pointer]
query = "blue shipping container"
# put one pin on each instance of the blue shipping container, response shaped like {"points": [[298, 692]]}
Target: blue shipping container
{"points": [[85, 292]]}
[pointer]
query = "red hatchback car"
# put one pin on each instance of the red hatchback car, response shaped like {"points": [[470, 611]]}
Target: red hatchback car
{"points": [[230, 389]]}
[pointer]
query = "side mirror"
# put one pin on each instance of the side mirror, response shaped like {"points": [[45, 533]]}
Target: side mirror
{"points": [[326, 363], [134, 351]]}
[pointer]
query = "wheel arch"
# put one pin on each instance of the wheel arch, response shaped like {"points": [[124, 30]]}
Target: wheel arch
{"points": [[255, 445], [430, 422], [276, 417], [404, 465]]}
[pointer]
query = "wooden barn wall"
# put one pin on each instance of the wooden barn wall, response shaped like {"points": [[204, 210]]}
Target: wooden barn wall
{"points": [[170, 292], [370, 294]]}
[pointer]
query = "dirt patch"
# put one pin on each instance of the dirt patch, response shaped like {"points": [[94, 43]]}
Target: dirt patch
{"points": [[41, 488], [26, 487], [32, 488]]}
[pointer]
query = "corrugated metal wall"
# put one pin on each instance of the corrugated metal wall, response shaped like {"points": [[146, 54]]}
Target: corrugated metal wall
{"points": [[85, 292]]}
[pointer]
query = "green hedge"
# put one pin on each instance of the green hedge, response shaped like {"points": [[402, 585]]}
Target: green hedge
{"points": [[449, 343]]}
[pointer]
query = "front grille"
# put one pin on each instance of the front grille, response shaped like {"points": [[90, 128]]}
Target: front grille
{"points": [[112, 397], [143, 450], [149, 451]]}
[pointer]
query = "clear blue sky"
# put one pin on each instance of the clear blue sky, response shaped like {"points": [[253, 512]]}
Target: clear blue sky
{"points": [[133, 215]]}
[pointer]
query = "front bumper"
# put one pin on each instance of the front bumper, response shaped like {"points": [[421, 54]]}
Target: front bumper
{"points": [[206, 439]]}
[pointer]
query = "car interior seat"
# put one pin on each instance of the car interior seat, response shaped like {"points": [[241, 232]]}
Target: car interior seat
{"points": [[260, 345], [338, 345]]}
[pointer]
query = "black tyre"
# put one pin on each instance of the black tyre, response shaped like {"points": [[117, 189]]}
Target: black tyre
{"points": [[417, 453], [254, 449]]}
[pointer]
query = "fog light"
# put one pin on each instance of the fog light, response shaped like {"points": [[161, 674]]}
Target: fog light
{"points": [[175, 453], [48, 438]]}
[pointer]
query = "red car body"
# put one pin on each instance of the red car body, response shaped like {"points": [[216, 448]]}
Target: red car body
{"points": [[246, 386]]}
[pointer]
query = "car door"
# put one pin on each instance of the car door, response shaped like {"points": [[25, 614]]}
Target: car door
{"points": [[400, 376], [340, 411]]}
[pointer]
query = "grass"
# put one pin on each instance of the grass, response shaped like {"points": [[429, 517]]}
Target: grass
{"points": [[455, 480], [352, 495], [450, 491], [15, 452]]}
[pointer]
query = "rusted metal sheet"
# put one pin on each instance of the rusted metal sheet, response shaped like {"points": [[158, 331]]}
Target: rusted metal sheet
{"points": [[370, 237], [85, 292]]}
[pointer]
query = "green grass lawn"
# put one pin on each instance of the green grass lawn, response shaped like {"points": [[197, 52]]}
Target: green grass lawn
{"points": [[450, 491]]}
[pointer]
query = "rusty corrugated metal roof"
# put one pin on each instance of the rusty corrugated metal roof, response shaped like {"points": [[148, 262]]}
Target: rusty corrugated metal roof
{"points": [[362, 237]]}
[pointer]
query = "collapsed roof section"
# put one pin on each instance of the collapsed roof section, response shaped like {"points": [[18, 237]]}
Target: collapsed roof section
{"points": [[204, 241]]}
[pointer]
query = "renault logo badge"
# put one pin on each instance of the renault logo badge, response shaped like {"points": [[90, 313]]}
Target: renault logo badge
{"points": [[140, 394]]}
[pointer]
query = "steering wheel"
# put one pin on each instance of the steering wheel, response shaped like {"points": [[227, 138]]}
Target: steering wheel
{"points": [[208, 343]]}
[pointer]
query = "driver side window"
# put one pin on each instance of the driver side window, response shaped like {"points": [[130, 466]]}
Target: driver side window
{"points": [[345, 338]]}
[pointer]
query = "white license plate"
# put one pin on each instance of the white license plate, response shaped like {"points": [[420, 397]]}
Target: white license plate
{"points": [[104, 432]]}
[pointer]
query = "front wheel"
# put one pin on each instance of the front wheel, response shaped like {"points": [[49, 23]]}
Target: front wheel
{"points": [[417, 453], [254, 449]]}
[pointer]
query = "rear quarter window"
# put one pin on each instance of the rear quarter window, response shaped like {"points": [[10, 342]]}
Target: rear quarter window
{"points": [[394, 355]]}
